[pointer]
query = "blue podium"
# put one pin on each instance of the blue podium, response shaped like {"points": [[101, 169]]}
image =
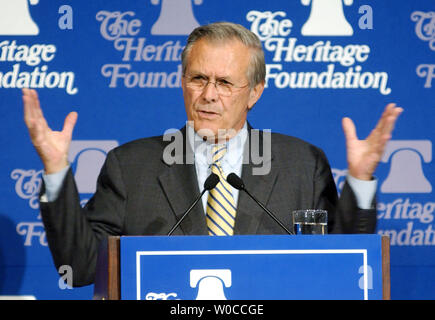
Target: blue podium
{"points": [[247, 267]]}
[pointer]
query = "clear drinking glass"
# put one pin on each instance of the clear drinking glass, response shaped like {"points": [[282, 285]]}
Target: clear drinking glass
{"points": [[310, 221]]}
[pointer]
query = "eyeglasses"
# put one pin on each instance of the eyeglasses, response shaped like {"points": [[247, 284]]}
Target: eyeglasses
{"points": [[223, 87]]}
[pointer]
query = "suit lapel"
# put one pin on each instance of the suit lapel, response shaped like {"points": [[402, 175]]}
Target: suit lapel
{"points": [[180, 185], [249, 214], [181, 188]]}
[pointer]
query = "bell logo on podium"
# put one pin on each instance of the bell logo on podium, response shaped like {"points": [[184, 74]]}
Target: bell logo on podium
{"points": [[176, 17], [406, 172], [15, 18], [88, 157], [327, 18], [210, 283]]}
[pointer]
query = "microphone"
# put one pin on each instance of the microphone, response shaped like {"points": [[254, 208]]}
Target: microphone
{"points": [[210, 183], [237, 183]]}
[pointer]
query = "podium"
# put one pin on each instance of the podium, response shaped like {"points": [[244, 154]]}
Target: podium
{"points": [[257, 267]]}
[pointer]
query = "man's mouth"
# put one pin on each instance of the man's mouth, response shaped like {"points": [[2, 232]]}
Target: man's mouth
{"points": [[207, 114]]}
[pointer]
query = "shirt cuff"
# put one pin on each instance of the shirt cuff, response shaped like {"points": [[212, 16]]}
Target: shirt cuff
{"points": [[364, 191], [53, 184]]}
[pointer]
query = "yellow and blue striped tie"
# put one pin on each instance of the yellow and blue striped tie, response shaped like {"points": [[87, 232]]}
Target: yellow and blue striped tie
{"points": [[221, 208]]}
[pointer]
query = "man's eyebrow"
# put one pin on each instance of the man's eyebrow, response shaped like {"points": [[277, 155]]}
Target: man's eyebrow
{"points": [[199, 73], [224, 78]]}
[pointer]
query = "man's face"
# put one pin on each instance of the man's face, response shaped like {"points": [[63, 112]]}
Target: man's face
{"points": [[222, 61]]}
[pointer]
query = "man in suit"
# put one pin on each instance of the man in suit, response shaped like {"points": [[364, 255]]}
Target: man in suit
{"points": [[139, 193]]}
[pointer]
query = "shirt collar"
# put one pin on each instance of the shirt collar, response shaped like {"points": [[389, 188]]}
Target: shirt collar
{"points": [[203, 150]]}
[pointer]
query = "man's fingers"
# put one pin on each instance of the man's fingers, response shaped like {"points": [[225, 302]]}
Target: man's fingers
{"points": [[386, 123], [36, 105], [383, 132], [381, 122], [27, 101], [30, 115], [389, 116], [27, 109], [349, 129], [389, 123], [70, 122], [32, 109]]}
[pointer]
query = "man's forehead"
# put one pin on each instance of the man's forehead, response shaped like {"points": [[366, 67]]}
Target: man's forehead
{"points": [[230, 44], [199, 60]]}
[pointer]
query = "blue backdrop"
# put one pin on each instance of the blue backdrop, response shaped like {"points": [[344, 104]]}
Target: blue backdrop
{"points": [[117, 63]]}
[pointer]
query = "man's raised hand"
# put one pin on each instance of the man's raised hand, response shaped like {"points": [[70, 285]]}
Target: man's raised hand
{"points": [[363, 156], [52, 146]]}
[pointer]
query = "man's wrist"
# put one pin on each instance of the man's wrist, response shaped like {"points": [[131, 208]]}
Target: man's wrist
{"points": [[53, 184], [55, 168], [364, 190]]}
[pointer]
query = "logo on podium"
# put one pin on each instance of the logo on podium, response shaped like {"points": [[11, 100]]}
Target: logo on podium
{"points": [[15, 18], [327, 18], [176, 17], [210, 283]]}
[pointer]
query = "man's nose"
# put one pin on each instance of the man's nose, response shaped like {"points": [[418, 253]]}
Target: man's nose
{"points": [[210, 93]]}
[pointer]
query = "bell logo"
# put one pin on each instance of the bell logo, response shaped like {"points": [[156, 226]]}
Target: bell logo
{"points": [[176, 17], [210, 283], [88, 156], [327, 18], [15, 18], [406, 171]]}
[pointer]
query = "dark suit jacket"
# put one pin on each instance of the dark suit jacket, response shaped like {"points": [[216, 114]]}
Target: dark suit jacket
{"points": [[139, 194]]}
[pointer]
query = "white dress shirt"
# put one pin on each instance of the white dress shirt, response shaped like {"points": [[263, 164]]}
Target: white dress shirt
{"points": [[231, 162]]}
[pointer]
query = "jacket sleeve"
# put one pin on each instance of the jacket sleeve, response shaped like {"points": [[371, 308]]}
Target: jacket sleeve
{"points": [[74, 233], [344, 215]]}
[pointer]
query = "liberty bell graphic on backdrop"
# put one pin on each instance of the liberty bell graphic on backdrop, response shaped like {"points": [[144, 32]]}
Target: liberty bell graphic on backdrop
{"points": [[210, 283], [176, 17], [15, 18], [88, 156], [327, 18], [406, 172]]}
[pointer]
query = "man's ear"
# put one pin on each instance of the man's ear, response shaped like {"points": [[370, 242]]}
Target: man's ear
{"points": [[255, 94]]}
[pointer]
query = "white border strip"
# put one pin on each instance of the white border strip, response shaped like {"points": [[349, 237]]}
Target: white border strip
{"points": [[239, 252]]}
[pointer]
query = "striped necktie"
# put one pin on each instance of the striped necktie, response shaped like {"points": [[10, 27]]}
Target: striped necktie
{"points": [[221, 209]]}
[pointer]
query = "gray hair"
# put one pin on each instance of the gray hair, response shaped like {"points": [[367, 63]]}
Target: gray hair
{"points": [[223, 31]]}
